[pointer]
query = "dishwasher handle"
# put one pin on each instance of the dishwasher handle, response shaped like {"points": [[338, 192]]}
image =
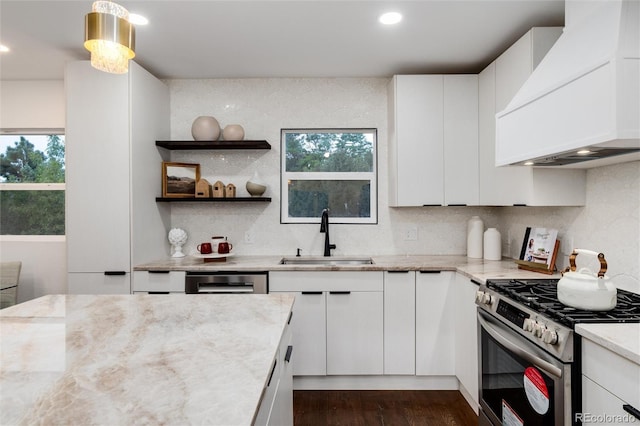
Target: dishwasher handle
{"points": [[222, 288]]}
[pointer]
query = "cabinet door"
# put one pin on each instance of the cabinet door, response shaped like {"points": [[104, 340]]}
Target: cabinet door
{"points": [[461, 140], [97, 172], [466, 339], [400, 322], [601, 407], [159, 281], [282, 410], [435, 323], [417, 163], [98, 283], [354, 333]]}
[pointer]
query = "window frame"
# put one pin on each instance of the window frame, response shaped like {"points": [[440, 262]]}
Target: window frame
{"points": [[32, 186], [372, 177]]}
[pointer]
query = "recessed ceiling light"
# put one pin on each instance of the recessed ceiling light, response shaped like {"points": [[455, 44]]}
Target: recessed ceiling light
{"points": [[584, 152], [390, 18], [136, 19], [3, 48]]}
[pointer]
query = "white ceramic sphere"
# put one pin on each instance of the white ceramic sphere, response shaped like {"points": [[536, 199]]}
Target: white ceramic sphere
{"points": [[205, 128], [233, 132]]}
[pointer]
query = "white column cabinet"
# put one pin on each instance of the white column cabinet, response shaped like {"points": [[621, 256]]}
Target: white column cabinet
{"points": [[400, 322], [112, 173], [433, 140], [435, 306], [310, 333], [519, 185], [466, 339]]}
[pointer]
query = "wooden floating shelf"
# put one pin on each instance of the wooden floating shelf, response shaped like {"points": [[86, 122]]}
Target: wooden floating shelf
{"points": [[244, 144], [215, 200]]}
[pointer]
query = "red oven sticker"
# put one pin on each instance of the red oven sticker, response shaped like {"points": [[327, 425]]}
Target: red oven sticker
{"points": [[536, 390]]}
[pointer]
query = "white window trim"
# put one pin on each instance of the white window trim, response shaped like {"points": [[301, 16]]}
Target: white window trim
{"points": [[32, 186], [285, 177]]}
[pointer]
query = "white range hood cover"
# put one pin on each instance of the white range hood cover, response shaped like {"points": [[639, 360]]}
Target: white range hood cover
{"points": [[585, 93]]}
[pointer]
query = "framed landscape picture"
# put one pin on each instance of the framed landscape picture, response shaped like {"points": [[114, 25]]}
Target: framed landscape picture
{"points": [[539, 249], [179, 179]]}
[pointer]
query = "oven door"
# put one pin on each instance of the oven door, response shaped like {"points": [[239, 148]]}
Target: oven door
{"points": [[520, 383]]}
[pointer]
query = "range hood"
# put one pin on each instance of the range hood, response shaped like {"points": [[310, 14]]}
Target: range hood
{"points": [[583, 96]]}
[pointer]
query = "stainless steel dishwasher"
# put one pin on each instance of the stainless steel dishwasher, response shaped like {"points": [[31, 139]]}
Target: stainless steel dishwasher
{"points": [[227, 282]]}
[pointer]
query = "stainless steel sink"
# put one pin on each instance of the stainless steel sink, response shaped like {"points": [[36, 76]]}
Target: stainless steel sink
{"points": [[326, 261]]}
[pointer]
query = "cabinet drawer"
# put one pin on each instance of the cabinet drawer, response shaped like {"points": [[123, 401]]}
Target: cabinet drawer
{"points": [[172, 281], [326, 281], [613, 372]]}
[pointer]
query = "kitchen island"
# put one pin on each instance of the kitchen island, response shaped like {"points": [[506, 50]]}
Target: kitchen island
{"points": [[139, 359]]}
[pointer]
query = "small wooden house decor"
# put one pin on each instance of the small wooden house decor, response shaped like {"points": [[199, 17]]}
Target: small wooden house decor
{"points": [[218, 189], [230, 191], [203, 189]]}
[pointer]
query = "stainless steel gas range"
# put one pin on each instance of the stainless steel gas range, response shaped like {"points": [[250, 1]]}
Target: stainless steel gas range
{"points": [[529, 354]]}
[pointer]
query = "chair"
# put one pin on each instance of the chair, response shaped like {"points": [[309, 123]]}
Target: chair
{"points": [[9, 277]]}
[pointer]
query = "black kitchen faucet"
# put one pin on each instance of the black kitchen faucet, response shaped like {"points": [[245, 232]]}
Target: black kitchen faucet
{"points": [[324, 227]]}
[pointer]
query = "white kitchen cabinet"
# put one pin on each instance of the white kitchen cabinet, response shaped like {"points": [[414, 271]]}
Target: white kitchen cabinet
{"points": [[609, 381], [159, 281], [349, 305], [111, 282], [433, 140], [435, 328], [400, 322], [112, 171], [466, 339], [519, 185]]}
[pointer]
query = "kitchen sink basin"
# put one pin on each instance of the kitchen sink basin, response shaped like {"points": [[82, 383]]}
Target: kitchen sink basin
{"points": [[334, 261]]}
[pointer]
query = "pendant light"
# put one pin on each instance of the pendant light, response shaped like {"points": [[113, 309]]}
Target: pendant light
{"points": [[110, 37]]}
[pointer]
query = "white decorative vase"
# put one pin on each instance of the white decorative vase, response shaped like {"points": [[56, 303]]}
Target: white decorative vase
{"points": [[233, 132], [255, 186], [492, 244], [205, 128], [475, 229], [177, 238]]}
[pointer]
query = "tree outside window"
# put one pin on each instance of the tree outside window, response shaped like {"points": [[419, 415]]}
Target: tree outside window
{"points": [[32, 169]]}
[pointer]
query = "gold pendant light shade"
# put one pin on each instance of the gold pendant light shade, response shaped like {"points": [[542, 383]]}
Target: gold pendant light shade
{"points": [[110, 37]]}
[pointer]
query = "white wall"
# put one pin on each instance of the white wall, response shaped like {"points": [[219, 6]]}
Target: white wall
{"points": [[263, 107], [35, 105]]}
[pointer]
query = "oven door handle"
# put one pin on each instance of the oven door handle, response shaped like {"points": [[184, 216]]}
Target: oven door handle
{"points": [[546, 366]]}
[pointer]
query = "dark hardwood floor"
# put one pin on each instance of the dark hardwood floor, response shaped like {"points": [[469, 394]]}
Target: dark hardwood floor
{"points": [[389, 408]]}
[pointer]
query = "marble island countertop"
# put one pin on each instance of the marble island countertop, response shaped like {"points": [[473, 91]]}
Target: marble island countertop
{"points": [[138, 359], [477, 269]]}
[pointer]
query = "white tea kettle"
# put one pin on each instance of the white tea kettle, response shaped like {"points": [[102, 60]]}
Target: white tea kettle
{"points": [[584, 289]]}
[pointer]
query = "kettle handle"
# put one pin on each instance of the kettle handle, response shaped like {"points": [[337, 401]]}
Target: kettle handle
{"points": [[600, 256]]}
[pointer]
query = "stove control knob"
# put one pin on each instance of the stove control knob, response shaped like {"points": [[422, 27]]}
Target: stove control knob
{"points": [[528, 324], [549, 336], [479, 295], [538, 329], [483, 298]]}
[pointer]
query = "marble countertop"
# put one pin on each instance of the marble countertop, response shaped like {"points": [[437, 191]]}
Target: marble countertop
{"points": [[138, 359], [623, 339], [477, 269]]}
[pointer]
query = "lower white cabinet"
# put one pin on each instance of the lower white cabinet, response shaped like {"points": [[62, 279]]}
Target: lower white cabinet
{"points": [[466, 339], [609, 381], [338, 327], [400, 322], [158, 281], [116, 282], [435, 305]]}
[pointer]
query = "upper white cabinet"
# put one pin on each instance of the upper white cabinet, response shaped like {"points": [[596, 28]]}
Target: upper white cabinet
{"points": [[112, 172], [519, 185], [433, 136]]}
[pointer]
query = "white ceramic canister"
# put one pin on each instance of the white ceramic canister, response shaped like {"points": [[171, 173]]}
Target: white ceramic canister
{"points": [[475, 229], [492, 244]]}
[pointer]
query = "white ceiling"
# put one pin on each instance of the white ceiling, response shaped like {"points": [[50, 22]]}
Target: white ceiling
{"points": [[327, 38]]}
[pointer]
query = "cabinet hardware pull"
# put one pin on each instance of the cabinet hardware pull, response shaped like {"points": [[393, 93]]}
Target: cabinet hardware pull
{"points": [[519, 205], [115, 273], [398, 272], [158, 272], [275, 362], [287, 357], [311, 292], [475, 282], [632, 410], [432, 205], [158, 292], [430, 272], [339, 292], [457, 205], [290, 315]]}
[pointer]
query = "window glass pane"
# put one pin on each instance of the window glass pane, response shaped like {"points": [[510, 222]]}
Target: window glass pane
{"points": [[32, 212], [350, 151], [32, 158], [344, 198]]}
